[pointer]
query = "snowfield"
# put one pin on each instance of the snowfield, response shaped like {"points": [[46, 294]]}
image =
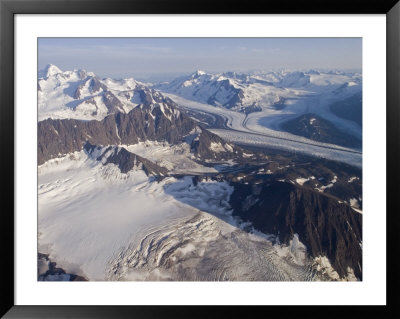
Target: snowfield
{"points": [[96, 222], [88, 211]]}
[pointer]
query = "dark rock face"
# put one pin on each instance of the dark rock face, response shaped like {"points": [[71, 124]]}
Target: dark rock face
{"points": [[236, 99], [236, 95], [112, 103], [160, 122], [145, 96], [325, 171], [153, 124], [318, 129], [201, 146], [149, 96], [60, 137], [78, 91], [95, 85], [208, 146], [126, 160], [325, 226], [82, 74], [349, 109]]}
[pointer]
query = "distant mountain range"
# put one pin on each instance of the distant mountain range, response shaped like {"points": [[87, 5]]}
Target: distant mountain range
{"points": [[250, 92], [82, 95]]}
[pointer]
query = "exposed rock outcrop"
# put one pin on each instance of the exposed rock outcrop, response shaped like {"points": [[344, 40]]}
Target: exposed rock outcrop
{"points": [[154, 122], [316, 128], [327, 227], [125, 160]]}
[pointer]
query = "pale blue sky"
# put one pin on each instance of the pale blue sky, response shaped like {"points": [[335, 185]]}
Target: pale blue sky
{"points": [[147, 57]]}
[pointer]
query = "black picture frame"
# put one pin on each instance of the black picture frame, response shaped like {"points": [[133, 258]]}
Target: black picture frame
{"points": [[8, 8]]}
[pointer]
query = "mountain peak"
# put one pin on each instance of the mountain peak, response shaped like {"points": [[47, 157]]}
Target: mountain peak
{"points": [[82, 73], [198, 73], [49, 70]]}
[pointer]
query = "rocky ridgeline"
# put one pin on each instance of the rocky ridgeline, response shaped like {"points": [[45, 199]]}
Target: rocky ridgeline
{"points": [[327, 227], [125, 160], [318, 129], [161, 122], [153, 122]]}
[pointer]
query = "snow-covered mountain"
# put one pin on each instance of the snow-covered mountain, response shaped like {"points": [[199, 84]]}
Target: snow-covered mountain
{"points": [[132, 187], [79, 94], [252, 92], [217, 90], [157, 119], [266, 103]]}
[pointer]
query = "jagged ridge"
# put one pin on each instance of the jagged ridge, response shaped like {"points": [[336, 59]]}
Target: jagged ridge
{"points": [[60, 137], [125, 160], [326, 227]]}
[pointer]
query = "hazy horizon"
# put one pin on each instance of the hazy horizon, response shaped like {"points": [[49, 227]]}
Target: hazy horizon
{"points": [[164, 58]]}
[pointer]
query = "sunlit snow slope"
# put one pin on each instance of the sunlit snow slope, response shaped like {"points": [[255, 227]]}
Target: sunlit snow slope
{"points": [[79, 94], [105, 225]]}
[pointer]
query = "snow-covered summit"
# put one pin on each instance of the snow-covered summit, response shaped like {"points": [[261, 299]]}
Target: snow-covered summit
{"points": [[80, 94], [198, 73], [295, 79], [253, 91], [49, 70]]}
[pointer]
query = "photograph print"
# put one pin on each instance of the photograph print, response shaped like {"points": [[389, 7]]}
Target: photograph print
{"points": [[199, 159]]}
